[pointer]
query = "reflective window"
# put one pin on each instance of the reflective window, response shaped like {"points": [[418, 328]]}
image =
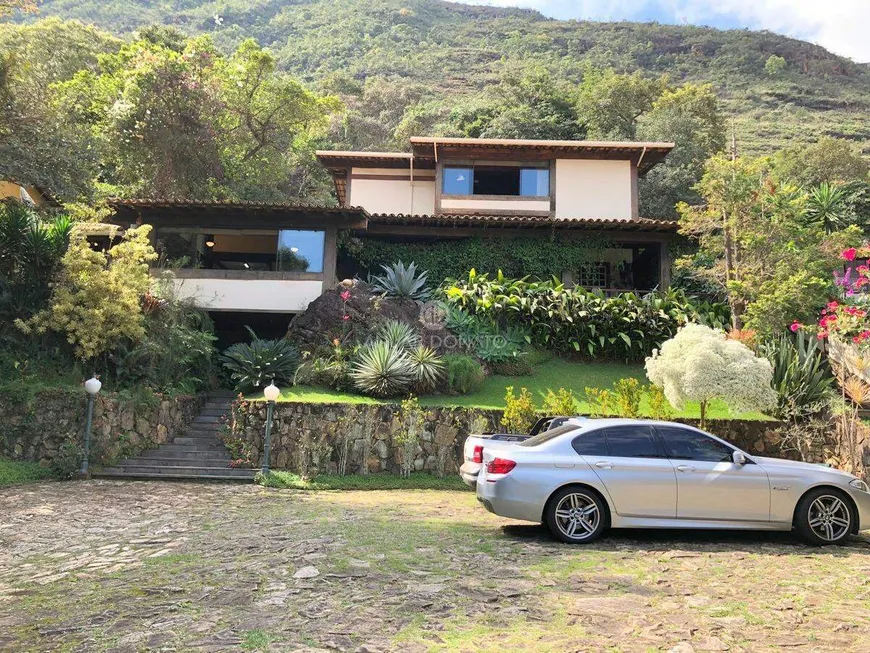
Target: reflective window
{"points": [[685, 444], [632, 442], [591, 444], [300, 251], [457, 181], [534, 182]]}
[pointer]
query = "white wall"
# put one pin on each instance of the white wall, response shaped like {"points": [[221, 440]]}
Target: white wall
{"points": [[480, 205], [268, 296], [393, 195], [590, 188]]}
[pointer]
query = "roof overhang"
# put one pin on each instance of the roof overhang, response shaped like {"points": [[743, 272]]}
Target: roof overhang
{"points": [[637, 225], [235, 214], [643, 154]]}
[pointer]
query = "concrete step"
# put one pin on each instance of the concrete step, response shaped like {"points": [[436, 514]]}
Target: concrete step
{"points": [[186, 453], [222, 395], [204, 428], [208, 470], [207, 419], [214, 411], [210, 461], [114, 473], [206, 439]]}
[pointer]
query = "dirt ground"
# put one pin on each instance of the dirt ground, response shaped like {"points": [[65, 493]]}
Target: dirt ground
{"points": [[126, 566]]}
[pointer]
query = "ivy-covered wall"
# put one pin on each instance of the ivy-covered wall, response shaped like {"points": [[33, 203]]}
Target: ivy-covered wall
{"points": [[49, 425], [542, 256]]}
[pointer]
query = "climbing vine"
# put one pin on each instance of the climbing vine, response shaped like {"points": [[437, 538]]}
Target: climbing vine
{"points": [[516, 257]]}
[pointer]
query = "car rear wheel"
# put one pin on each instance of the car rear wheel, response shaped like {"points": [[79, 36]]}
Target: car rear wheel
{"points": [[823, 516], [576, 515]]}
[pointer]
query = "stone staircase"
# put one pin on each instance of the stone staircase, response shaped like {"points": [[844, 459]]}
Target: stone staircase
{"points": [[196, 456]]}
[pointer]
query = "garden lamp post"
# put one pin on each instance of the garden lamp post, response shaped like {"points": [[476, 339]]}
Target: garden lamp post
{"points": [[92, 387], [271, 393]]}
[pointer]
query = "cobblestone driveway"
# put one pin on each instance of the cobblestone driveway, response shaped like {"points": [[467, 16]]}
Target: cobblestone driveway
{"points": [[125, 566]]}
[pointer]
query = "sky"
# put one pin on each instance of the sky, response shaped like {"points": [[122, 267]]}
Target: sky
{"points": [[841, 26]]}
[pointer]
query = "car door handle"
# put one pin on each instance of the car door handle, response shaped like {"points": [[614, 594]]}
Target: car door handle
{"points": [[604, 465], [685, 468]]}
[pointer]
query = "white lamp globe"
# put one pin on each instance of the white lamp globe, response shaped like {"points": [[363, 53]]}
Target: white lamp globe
{"points": [[271, 392], [93, 385]]}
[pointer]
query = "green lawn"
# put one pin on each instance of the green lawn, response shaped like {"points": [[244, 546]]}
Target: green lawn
{"points": [[13, 473], [552, 374]]}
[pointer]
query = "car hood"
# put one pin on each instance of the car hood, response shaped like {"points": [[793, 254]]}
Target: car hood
{"points": [[796, 465]]}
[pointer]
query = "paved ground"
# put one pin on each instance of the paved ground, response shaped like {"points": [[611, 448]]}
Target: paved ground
{"points": [[128, 566]]}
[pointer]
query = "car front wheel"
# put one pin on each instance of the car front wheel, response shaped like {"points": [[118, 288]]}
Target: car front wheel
{"points": [[823, 517], [576, 515]]}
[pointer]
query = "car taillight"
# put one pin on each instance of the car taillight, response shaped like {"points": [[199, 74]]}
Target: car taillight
{"points": [[477, 456], [500, 466]]}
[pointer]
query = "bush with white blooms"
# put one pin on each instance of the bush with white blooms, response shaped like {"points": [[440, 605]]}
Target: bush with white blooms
{"points": [[701, 364]]}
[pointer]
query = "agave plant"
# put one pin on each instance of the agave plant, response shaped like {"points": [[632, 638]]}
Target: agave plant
{"points": [[801, 376], [398, 334], [382, 370], [428, 367], [257, 364], [401, 281]]}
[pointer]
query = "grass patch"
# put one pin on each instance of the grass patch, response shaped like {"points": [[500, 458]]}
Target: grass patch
{"points": [[419, 481], [15, 473], [256, 640], [548, 374]]}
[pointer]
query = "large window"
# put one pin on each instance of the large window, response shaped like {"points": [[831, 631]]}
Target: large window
{"points": [[288, 250], [496, 180], [300, 251], [632, 442]]}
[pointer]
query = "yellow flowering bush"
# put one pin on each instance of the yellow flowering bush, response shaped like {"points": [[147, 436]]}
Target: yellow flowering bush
{"points": [[96, 301]]}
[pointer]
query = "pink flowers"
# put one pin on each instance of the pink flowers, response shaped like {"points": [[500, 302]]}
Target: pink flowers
{"points": [[795, 326], [345, 296], [850, 254], [345, 317]]}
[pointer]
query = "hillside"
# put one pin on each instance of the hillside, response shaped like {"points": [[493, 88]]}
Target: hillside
{"points": [[454, 49]]}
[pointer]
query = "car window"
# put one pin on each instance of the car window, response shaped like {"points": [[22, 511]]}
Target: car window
{"points": [[685, 444], [632, 442], [593, 443], [546, 436]]}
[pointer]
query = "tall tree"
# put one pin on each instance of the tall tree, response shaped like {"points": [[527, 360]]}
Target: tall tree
{"points": [[828, 160], [610, 104], [690, 117], [774, 263]]}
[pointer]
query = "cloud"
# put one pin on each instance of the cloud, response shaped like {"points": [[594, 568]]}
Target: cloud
{"points": [[841, 26]]}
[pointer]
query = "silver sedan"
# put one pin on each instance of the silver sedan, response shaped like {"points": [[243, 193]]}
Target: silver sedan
{"points": [[585, 477]]}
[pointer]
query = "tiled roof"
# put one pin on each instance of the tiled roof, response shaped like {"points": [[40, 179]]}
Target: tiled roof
{"points": [[526, 221], [152, 203]]}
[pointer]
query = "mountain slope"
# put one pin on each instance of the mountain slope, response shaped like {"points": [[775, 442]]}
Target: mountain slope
{"points": [[453, 48]]}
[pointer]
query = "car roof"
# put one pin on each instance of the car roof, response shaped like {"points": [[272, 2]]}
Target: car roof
{"points": [[598, 422]]}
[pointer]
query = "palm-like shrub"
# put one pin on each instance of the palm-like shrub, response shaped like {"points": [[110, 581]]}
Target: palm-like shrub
{"points": [[401, 281], [382, 370], [397, 334], [257, 364], [428, 368], [30, 255]]}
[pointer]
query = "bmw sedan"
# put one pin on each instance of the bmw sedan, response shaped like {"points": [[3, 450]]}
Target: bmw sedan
{"points": [[585, 477]]}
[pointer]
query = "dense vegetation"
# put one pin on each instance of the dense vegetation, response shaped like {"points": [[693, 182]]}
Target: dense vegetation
{"points": [[402, 63]]}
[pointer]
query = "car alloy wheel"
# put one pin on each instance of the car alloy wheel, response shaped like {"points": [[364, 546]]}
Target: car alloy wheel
{"points": [[829, 518], [577, 516]]}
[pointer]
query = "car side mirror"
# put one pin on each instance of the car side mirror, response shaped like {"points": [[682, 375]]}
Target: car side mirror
{"points": [[739, 458]]}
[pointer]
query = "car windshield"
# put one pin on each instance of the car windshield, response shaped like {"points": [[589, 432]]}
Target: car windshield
{"points": [[546, 436]]}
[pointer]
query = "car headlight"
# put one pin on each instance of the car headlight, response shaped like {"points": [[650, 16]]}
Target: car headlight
{"points": [[858, 484]]}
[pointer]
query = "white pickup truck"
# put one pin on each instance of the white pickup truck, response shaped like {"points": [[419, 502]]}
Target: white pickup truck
{"points": [[475, 444]]}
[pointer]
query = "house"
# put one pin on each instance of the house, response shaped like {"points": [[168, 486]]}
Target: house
{"points": [[248, 258]]}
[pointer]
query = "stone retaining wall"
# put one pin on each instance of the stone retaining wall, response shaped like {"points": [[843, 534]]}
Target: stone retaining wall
{"points": [[312, 438], [38, 428]]}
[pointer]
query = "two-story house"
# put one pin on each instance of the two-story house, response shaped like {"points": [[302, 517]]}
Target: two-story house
{"points": [[271, 260]]}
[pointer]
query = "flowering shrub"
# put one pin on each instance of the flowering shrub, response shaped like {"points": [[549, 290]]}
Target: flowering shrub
{"points": [[701, 364], [845, 318]]}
